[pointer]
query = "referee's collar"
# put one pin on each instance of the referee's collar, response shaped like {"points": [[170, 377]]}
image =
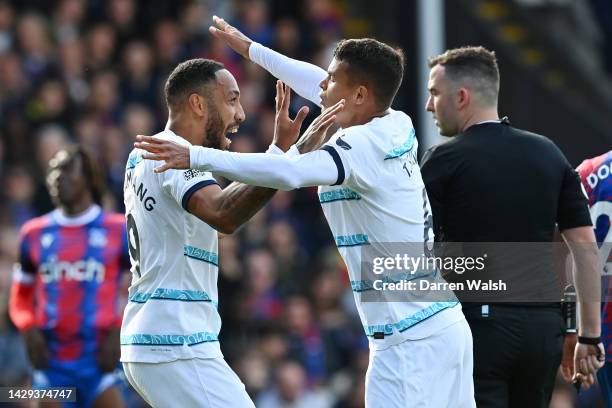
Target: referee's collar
{"points": [[504, 121]]}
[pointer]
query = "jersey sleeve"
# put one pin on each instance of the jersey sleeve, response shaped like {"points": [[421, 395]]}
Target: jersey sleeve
{"points": [[572, 209], [302, 77], [349, 153], [281, 172], [182, 184], [21, 302]]}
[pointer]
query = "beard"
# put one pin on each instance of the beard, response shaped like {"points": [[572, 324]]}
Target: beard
{"points": [[215, 131]]}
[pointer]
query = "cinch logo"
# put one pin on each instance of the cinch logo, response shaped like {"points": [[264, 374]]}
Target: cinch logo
{"points": [[80, 271]]}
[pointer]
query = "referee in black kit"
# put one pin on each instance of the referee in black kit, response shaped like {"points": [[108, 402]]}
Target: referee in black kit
{"points": [[494, 183]]}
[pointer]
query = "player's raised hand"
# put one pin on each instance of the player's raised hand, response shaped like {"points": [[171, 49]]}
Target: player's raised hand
{"points": [[173, 154], [231, 36], [286, 130], [315, 135], [587, 360]]}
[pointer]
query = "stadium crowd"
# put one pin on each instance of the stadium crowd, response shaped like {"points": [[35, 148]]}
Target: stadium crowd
{"points": [[92, 72]]}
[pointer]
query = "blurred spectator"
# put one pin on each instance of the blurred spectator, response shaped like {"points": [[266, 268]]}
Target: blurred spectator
{"points": [[306, 343], [6, 23], [101, 46], [35, 45], [168, 47], [72, 62], [262, 301], [19, 188], [139, 84], [67, 20], [291, 391], [253, 21]]}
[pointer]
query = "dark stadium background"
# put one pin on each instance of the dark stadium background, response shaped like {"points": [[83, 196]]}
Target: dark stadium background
{"points": [[91, 71]]}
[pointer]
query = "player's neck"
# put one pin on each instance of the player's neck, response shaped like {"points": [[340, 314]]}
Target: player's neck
{"points": [[478, 116], [187, 129], [365, 117], [76, 209]]}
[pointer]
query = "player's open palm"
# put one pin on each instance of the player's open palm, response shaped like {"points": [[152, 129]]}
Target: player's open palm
{"points": [[231, 36], [286, 130], [173, 154], [316, 134]]}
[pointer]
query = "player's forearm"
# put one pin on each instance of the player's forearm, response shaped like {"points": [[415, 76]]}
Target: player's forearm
{"points": [[587, 279], [241, 202], [302, 77], [21, 306], [280, 172], [588, 290]]}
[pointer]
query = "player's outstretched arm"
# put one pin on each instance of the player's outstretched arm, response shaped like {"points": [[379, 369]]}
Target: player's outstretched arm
{"points": [[266, 170], [260, 169], [303, 77]]}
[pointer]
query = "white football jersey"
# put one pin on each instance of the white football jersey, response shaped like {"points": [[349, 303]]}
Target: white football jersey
{"points": [[380, 197], [172, 309]]}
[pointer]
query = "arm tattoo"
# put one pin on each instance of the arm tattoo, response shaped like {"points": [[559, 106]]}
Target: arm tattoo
{"points": [[241, 201]]}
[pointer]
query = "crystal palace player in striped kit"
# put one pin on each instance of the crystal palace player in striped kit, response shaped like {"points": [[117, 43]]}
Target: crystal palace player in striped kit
{"points": [[65, 297], [596, 175]]}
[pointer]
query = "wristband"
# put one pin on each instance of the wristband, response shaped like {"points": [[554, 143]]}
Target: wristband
{"points": [[591, 341]]}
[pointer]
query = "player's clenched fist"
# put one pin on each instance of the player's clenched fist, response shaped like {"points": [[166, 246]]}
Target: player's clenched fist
{"points": [[173, 154]]}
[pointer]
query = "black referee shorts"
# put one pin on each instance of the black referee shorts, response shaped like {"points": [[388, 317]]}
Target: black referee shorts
{"points": [[517, 352]]}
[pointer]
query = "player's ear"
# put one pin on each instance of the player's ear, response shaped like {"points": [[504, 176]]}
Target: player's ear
{"points": [[361, 95], [463, 98], [197, 104]]}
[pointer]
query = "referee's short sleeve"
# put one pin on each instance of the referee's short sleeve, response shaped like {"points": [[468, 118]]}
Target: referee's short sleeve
{"points": [[572, 210]]}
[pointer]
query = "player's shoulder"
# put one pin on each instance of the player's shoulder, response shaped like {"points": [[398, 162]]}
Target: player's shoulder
{"points": [[112, 219], [591, 165], [36, 224]]}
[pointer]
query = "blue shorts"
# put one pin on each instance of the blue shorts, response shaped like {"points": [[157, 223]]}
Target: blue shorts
{"points": [[604, 376], [89, 381]]}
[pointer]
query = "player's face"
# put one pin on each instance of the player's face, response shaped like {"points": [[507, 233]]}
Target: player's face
{"points": [[65, 180], [337, 86], [225, 112], [442, 102]]}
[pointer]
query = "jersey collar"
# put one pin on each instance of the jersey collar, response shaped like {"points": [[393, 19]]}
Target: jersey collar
{"points": [[78, 220]]}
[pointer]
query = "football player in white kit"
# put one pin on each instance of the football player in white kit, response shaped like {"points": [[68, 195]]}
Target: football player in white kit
{"points": [[371, 192], [169, 336]]}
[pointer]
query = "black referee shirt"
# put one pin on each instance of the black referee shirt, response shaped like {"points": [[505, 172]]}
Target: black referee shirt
{"points": [[496, 183]]}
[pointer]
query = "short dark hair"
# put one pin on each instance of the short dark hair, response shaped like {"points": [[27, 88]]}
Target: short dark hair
{"points": [[375, 64], [189, 77], [477, 65]]}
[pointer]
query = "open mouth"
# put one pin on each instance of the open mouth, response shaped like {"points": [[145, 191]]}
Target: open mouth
{"points": [[232, 130]]}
